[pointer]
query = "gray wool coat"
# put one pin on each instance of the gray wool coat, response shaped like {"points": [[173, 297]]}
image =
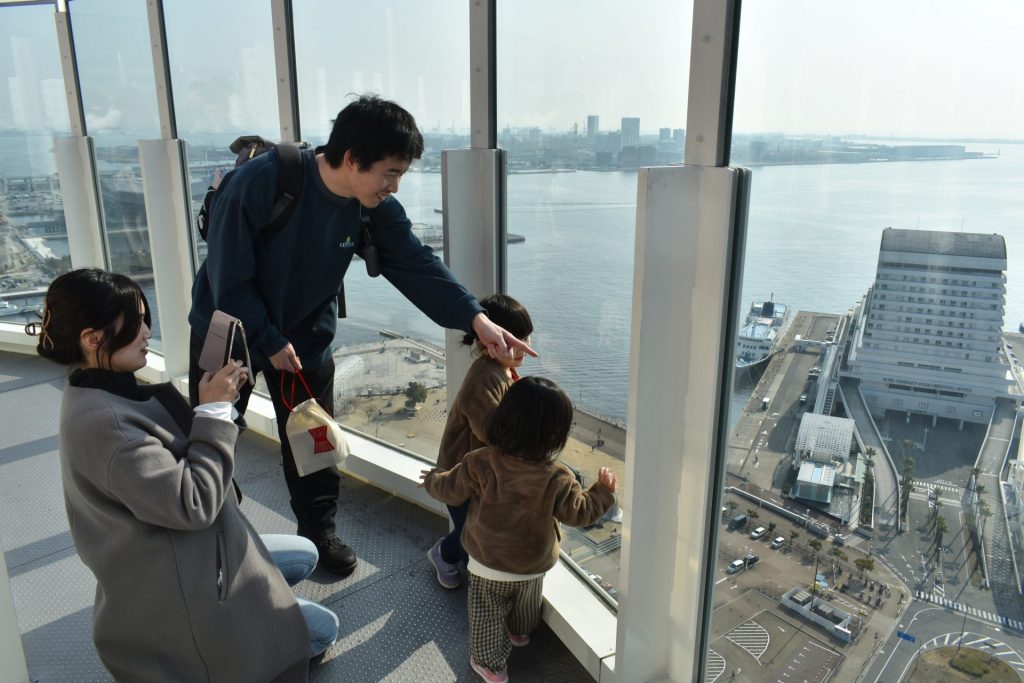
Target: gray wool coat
{"points": [[186, 591]]}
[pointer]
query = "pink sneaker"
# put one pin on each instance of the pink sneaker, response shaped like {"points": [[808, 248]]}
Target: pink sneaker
{"points": [[487, 674], [518, 641]]}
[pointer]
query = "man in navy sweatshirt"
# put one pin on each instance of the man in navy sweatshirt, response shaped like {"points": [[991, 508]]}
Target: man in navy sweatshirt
{"points": [[284, 287]]}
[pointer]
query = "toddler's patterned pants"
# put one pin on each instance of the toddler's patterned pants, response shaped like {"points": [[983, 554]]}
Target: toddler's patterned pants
{"points": [[497, 608]]}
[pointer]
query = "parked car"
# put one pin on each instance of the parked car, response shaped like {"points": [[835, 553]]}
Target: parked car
{"points": [[735, 566], [778, 541], [751, 559], [839, 539], [758, 532], [738, 522], [803, 398]]}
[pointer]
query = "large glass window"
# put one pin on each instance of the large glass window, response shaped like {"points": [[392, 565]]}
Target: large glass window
{"points": [[581, 105], [864, 518], [223, 78], [33, 109], [119, 97], [385, 345]]}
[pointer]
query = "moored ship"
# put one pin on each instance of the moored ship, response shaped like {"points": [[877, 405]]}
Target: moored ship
{"points": [[758, 338]]}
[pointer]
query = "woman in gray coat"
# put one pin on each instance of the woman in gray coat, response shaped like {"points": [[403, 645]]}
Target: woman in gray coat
{"points": [[186, 590]]}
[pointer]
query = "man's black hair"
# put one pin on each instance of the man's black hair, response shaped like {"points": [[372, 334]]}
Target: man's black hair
{"points": [[371, 129], [532, 421]]}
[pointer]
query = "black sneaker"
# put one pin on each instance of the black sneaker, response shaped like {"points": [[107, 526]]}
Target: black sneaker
{"points": [[335, 556]]}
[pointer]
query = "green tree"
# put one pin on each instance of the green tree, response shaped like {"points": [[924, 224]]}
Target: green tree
{"points": [[415, 393], [864, 564], [771, 529]]}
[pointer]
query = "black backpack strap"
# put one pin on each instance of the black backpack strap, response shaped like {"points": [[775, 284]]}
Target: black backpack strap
{"points": [[290, 178]]}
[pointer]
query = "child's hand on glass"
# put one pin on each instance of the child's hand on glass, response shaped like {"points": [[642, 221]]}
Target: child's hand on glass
{"points": [[423, 476], [607, 479]]}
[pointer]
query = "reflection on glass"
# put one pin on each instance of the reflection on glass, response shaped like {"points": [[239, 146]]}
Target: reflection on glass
{"points": [[119, 96], [390, 378], [873, 415], [573, 151], [222, 88], [33, 235]]}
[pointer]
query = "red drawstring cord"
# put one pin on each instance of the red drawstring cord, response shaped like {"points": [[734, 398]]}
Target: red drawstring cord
{"points": [[291, 406]]}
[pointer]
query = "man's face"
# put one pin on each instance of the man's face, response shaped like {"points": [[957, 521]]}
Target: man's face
{"points": [[377, 183]]}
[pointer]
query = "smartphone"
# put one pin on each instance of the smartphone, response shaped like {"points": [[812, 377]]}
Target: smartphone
{"points": [[219, 342]]}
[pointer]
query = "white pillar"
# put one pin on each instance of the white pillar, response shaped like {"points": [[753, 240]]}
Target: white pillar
{"points": [[79, 188], [168, 212], [690, 222], [473, 200]]}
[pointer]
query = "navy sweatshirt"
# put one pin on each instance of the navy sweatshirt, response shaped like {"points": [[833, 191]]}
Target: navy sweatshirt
{"points": [[285, 289]]}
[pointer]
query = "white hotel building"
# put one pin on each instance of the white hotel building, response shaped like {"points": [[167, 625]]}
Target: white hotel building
{"points": [[928, 337]]}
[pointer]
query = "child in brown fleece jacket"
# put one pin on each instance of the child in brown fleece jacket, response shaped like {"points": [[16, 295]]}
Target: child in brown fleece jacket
{"points": [[483, 387], [518, 493]]}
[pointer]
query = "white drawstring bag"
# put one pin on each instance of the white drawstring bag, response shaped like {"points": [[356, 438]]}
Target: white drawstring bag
{"points": [[316, 440]]}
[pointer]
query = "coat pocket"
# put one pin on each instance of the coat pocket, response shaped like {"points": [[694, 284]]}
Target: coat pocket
{"points": [[222, 568]]}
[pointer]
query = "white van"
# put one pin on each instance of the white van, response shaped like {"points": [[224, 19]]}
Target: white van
{"points": [[735, 566]]}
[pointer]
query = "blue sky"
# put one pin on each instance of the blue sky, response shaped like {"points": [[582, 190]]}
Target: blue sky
{"points": [[938, 68]]}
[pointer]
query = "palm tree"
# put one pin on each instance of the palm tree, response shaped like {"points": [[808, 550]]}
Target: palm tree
{"points": [[907, 482], [940, 528], [793, 535], [985, 512], [771, 529]]}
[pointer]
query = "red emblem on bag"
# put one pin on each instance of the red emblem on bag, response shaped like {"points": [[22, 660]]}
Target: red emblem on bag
{"points": [[320, 442]]}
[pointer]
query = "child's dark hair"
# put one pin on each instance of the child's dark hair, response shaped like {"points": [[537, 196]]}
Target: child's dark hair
{"points": [[372, 128], [532, 421], [506, 312], [89, 298]]}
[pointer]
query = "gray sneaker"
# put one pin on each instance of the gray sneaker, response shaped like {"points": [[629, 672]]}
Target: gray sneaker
{"points": [[447, 573]]}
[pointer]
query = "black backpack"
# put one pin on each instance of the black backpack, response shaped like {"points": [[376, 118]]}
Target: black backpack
{"points": [[290, 179], [289, 182]]}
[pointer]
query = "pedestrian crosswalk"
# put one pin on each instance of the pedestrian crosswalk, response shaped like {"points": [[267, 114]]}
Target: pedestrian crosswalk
{"points": [[939, 599], [926, 486]]}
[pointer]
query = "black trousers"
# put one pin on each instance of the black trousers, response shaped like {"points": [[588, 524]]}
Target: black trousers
{"points": [[314, 498]]}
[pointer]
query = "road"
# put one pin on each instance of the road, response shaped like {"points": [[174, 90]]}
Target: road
{"points": [[932, 626], [886, 489]]}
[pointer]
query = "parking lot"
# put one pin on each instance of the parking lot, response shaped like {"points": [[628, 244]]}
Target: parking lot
{"points": [[753, 638], [740, 595]]}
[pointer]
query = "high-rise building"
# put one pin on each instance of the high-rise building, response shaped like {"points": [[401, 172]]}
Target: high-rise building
{"points": [[664, 134], [593, 126], [928, 337], [630, 132]]}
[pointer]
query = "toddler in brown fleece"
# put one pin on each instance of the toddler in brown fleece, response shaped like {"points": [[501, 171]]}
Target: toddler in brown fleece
{"points": [[518, 493], [483, 387]]}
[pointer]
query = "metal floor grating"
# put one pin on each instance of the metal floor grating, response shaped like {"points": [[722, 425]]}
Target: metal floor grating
{"points": [[397, 623]]}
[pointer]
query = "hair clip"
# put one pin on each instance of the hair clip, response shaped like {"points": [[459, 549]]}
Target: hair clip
{"points": [[36, 329]]}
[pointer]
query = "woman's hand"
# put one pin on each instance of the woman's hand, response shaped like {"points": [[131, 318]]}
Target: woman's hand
{"points": [[607, 478], [223, 384]]}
